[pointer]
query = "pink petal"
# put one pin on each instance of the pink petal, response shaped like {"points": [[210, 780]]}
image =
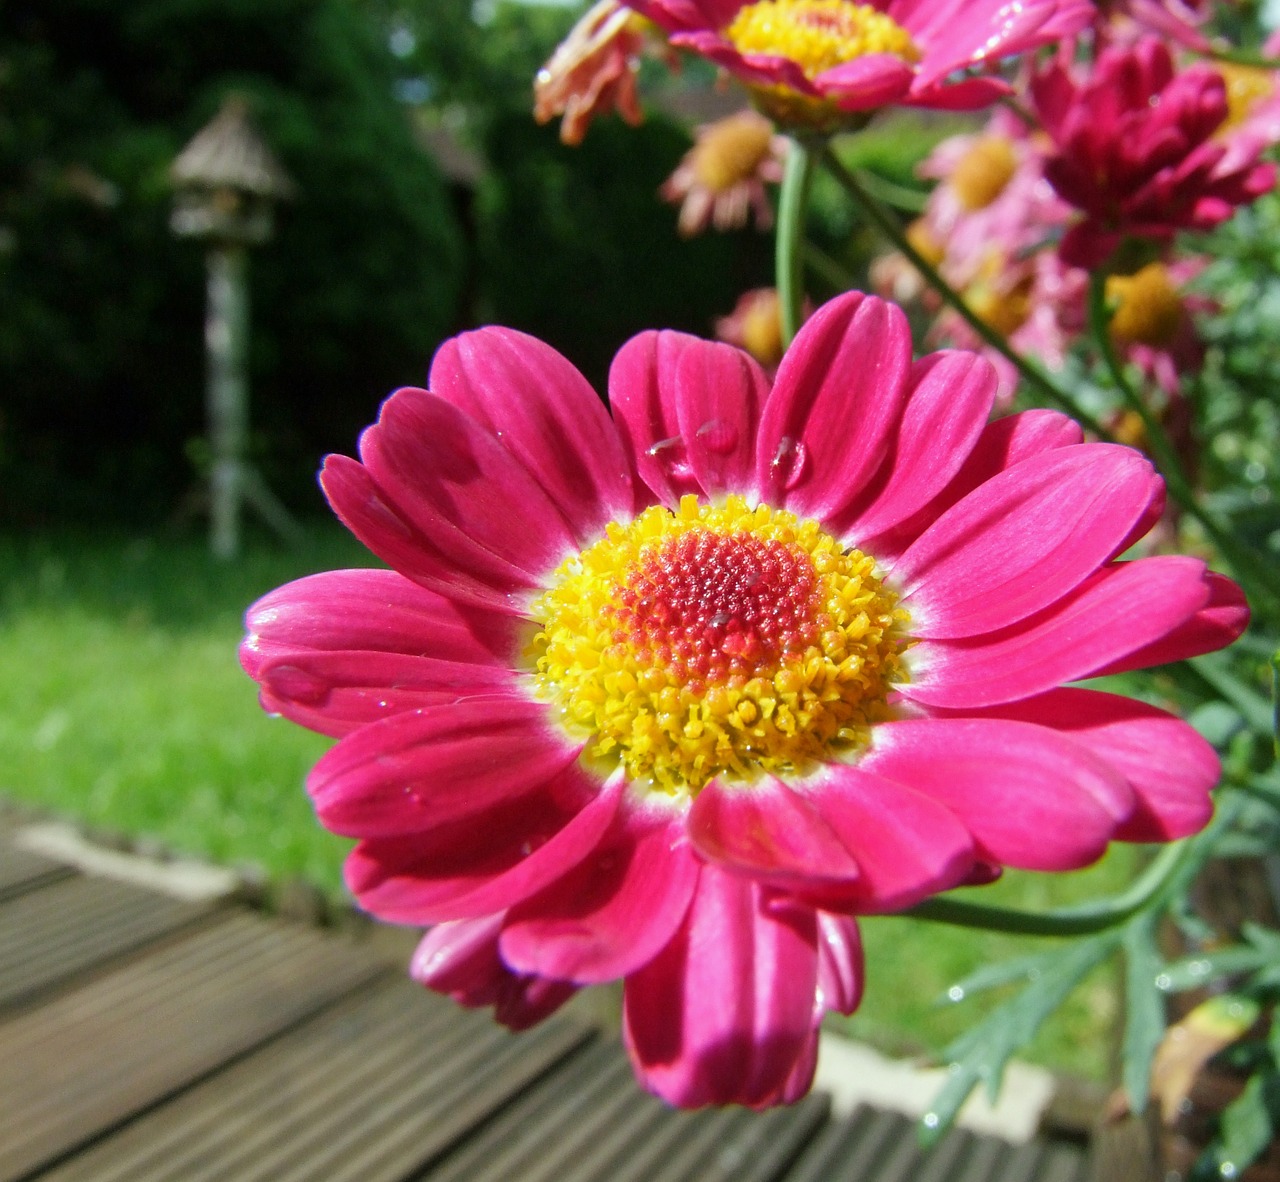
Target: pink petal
{"points": [[337, 650], [840, 964], [1216, 625], [612, 913], [907, 845], [642, 395], [1001, 444], [413, 771], [461, 961], [769, 832], [835, 403], [367, 511], [485, 862], [866, 82], [724, 1013], [1032, 798], [951, 394], [546, 415], [719, 392], [1024, 539], [461, 489], [1169, 767], [1121, 610]]}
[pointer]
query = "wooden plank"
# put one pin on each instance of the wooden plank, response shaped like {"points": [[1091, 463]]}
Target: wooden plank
{"points": [[104, 1052], [21, 871], [373, 1089], [49, 936]]}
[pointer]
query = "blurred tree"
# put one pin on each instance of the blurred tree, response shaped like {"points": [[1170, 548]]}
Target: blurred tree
{"points": [[101, 357]]}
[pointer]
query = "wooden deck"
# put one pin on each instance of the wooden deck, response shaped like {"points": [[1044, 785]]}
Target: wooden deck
{"points": [[144, 1038]]}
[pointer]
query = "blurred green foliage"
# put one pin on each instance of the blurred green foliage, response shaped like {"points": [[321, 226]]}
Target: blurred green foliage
{"points": [[100, 339]]}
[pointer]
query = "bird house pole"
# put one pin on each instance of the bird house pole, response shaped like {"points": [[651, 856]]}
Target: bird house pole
{"points": [[225, 182]]}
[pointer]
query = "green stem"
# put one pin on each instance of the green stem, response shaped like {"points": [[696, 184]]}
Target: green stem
{"points": [[888, 225], [1245, 57], [891, 193], [1246, 565], [1081, 920], [828, 269], [802, 158]]}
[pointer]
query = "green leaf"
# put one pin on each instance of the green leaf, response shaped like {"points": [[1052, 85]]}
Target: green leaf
{"points": [[981, 1053], [1246, 1128], [1144, 1007], [992, 976], [1254, 708]]}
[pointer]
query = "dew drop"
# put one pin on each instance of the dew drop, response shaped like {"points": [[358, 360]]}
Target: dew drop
{"points": [[930, 1120], [955, 993], [718, 436], [790, 461], [1229, 1169], [291, 684], [1164, 982]]}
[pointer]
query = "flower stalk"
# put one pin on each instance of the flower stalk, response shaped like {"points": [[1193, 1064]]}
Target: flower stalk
{"points": [[888, 225], [802, 158]]}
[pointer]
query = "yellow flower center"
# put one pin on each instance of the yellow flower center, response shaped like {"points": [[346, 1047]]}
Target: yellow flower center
{"points": [[1246, 86], [818, 34], [731, 151], [762, 330], [983, 172], [1148, 308], [719, 640]]}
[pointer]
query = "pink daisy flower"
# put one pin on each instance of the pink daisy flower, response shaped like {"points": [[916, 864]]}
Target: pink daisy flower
{"points": [[1137, 149], [721, 180], [817, 62], [670, 696]]}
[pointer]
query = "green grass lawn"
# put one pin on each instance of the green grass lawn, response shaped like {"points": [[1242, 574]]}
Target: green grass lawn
{"points": [[124, 706]]}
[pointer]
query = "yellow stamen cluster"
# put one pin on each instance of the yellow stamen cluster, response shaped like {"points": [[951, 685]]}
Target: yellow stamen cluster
{"points": [[731, 151], [717, 641], [818, 34], [983, 171], [1148, 308], [1246, 86]]}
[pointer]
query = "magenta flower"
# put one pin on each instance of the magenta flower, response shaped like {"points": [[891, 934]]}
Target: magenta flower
{"points": [[671, 696], [1138, 149], [816, 62]]}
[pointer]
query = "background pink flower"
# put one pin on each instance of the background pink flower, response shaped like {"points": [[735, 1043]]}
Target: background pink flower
{"points": [[671, 696], [812, 61], [1137, 149]]}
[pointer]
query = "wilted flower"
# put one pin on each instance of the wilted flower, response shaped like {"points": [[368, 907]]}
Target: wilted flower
{"points": [[818, 62], [671, 696], [1137, 149], [593, 71], [722, 178]]}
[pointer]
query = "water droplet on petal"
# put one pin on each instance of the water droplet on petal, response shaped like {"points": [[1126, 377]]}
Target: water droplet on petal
{"points": [[790, 461], [670, 452], [291, 684], [718, 436]]}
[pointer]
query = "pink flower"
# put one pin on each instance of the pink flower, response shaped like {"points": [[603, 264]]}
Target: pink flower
{"points": [[721, 179], [817, 62], [671, 696], [1136, 149]]}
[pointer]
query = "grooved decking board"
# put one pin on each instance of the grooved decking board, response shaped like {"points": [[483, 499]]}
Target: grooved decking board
{"points": [[47, 936], [883, 1146], [21, 871], [590, 1122], [100, 1054], [373, 1089]]}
